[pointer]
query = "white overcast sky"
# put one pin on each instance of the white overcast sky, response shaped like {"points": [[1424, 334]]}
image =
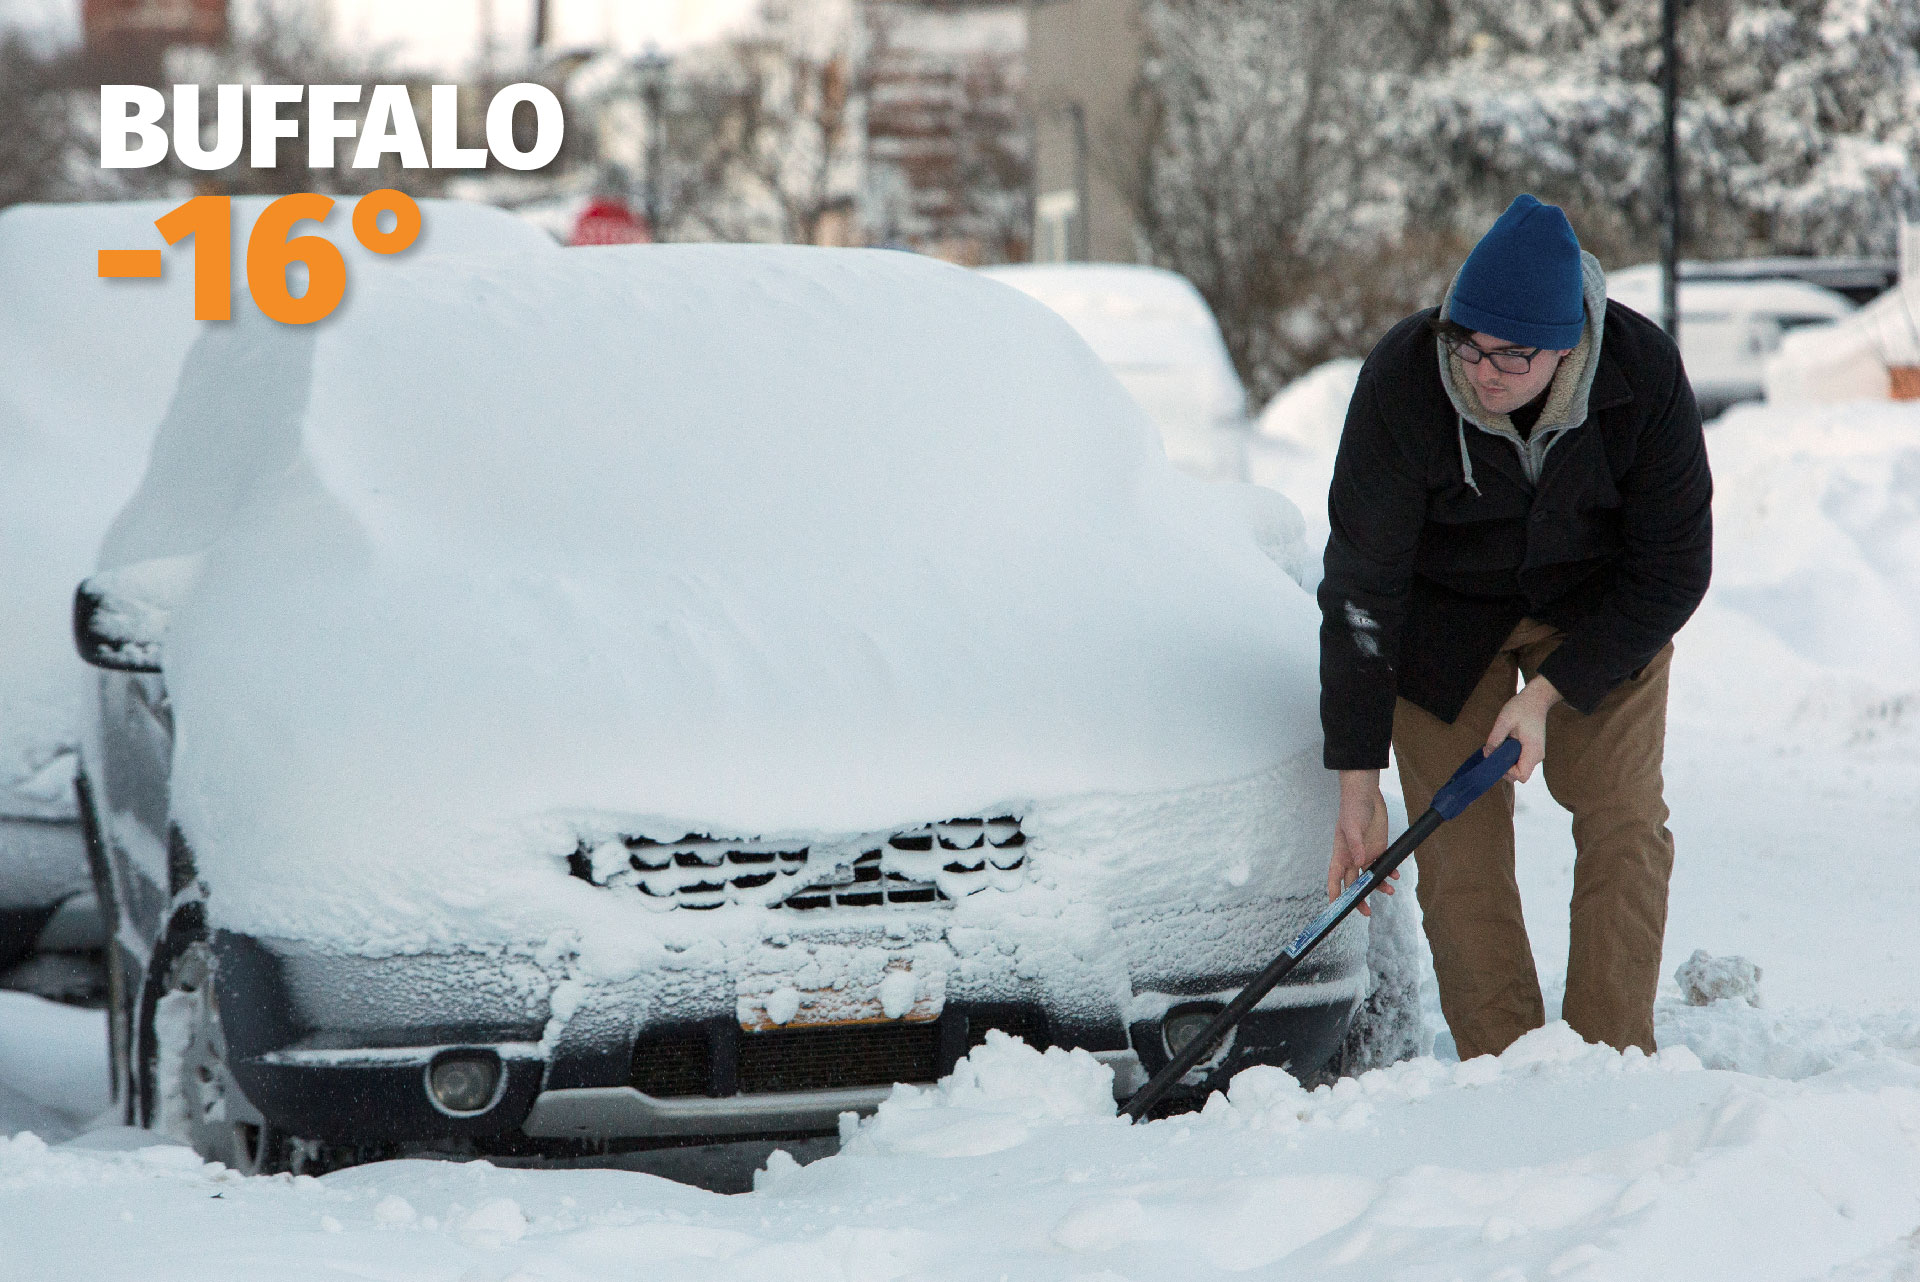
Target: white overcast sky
{"points": [[445, 34]]}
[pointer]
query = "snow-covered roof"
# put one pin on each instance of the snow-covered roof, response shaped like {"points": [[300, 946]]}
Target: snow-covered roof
{"points": [[740, 539], [1134, 317], [88, 367]]}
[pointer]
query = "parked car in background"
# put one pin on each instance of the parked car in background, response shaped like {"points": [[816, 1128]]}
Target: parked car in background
{"points": [[86, 368], [1861, 280], [655, 693], [1158, 337], [1729, 327]]}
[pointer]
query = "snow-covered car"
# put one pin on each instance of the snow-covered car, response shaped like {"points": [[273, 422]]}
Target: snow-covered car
{"points": [[1156, 333], [662, 692], [1728, 328], [89, 365]]}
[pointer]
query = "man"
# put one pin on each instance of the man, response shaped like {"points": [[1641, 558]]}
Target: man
{"points": [[1521, 495]]}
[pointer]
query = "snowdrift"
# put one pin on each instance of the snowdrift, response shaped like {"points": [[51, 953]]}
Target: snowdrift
{"points": [[1816, 577]]}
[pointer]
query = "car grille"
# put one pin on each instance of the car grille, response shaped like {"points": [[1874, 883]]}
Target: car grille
{"points": [[672, 1065], [678, 1063], [934, 863], [824, 1059]]}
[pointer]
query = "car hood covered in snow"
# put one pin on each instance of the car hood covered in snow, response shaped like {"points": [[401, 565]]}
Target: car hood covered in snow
{"points": [[739, 540]]}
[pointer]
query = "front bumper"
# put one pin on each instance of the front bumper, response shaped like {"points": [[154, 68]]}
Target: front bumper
{"points": [[618, 1072]]}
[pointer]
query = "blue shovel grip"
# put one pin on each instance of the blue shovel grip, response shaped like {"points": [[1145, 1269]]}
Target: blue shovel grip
{"points": [[1477, 774]]}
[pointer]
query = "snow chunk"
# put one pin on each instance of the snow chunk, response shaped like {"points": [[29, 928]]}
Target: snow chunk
{"points": [[1704, 979], [781, 1166], [897, 992], [394, 1211], [994, 1100], [784, 1002], [1005, 1074], [495, 1223]]}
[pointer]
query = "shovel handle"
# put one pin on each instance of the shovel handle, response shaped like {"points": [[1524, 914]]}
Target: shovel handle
{"points": [[1475, 775]]}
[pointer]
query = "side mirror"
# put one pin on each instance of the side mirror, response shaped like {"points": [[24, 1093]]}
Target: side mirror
{"points": [[120, 615]]}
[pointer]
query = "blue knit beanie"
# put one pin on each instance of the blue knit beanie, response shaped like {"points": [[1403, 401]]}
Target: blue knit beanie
{"points": [[1522, 282]]}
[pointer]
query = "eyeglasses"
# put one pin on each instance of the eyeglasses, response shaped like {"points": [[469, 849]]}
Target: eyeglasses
{"points": [[1508, 360]]}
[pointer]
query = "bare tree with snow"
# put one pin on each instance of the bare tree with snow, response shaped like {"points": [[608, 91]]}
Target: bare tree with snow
{"points": [[1318, 169]]}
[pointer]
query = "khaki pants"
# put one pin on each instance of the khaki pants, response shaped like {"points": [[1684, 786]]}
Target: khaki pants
{"points": [[1605, 769]]}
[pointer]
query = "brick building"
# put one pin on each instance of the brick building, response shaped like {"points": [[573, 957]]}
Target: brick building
{"points": [[948, 146]]}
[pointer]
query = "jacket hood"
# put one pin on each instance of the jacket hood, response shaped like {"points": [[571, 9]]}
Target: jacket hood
{"points": [[1567, 395]]}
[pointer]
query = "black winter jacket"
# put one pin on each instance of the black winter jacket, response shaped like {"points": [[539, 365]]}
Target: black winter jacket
{"points": [[1425, 577]]}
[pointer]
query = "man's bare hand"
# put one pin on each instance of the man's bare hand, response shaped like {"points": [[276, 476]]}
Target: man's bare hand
{"points": [[1360, 834], [1525, 718]]}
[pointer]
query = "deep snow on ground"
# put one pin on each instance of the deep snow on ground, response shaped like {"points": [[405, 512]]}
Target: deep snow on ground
{"points": [[1778, 1141], [1559, 1160]]}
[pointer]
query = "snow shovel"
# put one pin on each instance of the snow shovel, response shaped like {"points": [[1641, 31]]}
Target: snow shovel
{"points": [[1477, 774]]}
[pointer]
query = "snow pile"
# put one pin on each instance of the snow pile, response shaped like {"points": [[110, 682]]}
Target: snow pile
{"points": [[53, 1077], [1790, 1044], [1297, 435], [90, 364], [1816, 577], [995, 1099], [1269, 1099], [670, 539], [1848, 361]]}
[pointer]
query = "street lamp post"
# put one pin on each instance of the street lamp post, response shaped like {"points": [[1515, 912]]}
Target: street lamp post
{"points": [[1670, 155], [1081, 242], [650, 72]]}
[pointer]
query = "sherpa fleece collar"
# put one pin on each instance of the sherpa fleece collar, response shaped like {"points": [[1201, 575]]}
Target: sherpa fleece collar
{"points": [[1567, 395]]}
